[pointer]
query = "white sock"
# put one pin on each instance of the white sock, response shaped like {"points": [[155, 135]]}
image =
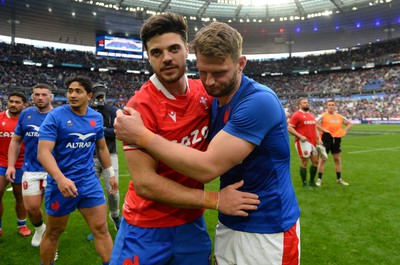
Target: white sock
{"points": [[40, 227]]}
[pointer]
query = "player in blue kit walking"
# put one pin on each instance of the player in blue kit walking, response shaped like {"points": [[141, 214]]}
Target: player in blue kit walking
{"points": [[68, 138], [34, 177]]}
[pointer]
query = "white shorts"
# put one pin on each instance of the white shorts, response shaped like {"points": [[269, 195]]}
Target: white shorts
{"points": [[305, 149], [33, 183], [242, 248]]}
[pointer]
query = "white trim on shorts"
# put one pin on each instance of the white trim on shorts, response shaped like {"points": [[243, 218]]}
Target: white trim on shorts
{"points": [[243, 248], [305, 149], [33, 183]]}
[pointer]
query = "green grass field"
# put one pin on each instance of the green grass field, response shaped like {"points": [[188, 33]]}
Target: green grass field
{"points": [[340, 225]]}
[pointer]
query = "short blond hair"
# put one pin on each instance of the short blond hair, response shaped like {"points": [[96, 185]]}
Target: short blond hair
{"points": [[218, 40], [300, 100]]}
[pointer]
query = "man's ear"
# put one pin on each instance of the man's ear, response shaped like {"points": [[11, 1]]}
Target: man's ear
{"points": [[242, 62]]}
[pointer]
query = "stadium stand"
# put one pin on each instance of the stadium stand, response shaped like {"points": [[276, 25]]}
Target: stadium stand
{"points": [[364, 79]]}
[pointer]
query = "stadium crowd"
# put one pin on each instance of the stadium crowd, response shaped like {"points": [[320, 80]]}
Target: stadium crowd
{"points": [[364, 79], [358, 108]]}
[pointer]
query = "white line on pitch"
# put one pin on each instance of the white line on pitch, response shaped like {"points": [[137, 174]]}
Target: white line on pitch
{"points": [[359, 147], [375, 150]]}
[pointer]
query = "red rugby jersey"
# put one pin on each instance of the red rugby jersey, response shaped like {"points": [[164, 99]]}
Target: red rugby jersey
{"points": [[7, 126], [180, 118], [304, 123]]}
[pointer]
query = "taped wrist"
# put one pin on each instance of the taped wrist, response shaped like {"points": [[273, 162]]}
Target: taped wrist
{"points": [[211, 200], [109, 172]]}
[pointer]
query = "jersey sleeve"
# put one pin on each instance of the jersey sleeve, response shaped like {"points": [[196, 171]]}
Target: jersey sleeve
{"points": [[139, 102], [48, 129], [257, 114], [100, 128], [294, 119]]}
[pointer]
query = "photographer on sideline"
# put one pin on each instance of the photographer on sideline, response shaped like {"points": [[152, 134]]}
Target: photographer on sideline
{"points": [[109, 113]]}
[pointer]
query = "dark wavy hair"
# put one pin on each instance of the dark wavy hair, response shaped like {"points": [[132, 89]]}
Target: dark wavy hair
{"points": [[163, 23], [82, 80], [18, 94]]}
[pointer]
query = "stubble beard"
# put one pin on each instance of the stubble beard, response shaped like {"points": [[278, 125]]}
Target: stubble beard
{"points": [[42, 107], [305, 109], [172, 78], [222, 90], [15, 111]]}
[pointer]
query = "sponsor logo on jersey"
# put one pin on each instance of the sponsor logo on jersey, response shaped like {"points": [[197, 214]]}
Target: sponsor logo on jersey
{"points": [[172, 115], [79, 145], [83, 138], [203, 100], [309, 122], [35, 132], [6, 134], [92, 123], [194, 137], [35, 127]]}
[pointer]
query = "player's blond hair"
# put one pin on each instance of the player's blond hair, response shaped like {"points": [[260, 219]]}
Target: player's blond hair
{"points": [[218, 40], [301, 99]]}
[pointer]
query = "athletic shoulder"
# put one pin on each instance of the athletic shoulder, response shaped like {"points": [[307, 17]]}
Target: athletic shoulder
{"points": [[146, 95], [29, 110]]}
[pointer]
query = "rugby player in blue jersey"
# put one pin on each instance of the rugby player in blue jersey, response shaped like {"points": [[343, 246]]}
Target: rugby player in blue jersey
{"points": [[68, 138], [249, 141], [34, 177]]}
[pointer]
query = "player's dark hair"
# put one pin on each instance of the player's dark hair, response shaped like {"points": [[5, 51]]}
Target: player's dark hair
{"points": [[42, 85], [163, 23], [82, 80], [17, 94]]}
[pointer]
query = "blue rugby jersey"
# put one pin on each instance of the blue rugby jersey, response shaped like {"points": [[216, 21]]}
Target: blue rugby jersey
{"points": [[75, 137], [255, 114], [28, 126]]}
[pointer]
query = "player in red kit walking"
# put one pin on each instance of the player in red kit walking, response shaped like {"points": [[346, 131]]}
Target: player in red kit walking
{"points": [[8, 121], [302, 125]]}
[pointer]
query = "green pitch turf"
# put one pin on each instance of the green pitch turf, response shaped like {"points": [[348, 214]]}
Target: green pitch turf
{"points": [[353, 225]]}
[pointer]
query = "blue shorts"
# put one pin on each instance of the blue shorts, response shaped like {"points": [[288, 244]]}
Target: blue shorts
{"points": [[90, 194], [18, 174], [187, 244]]}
